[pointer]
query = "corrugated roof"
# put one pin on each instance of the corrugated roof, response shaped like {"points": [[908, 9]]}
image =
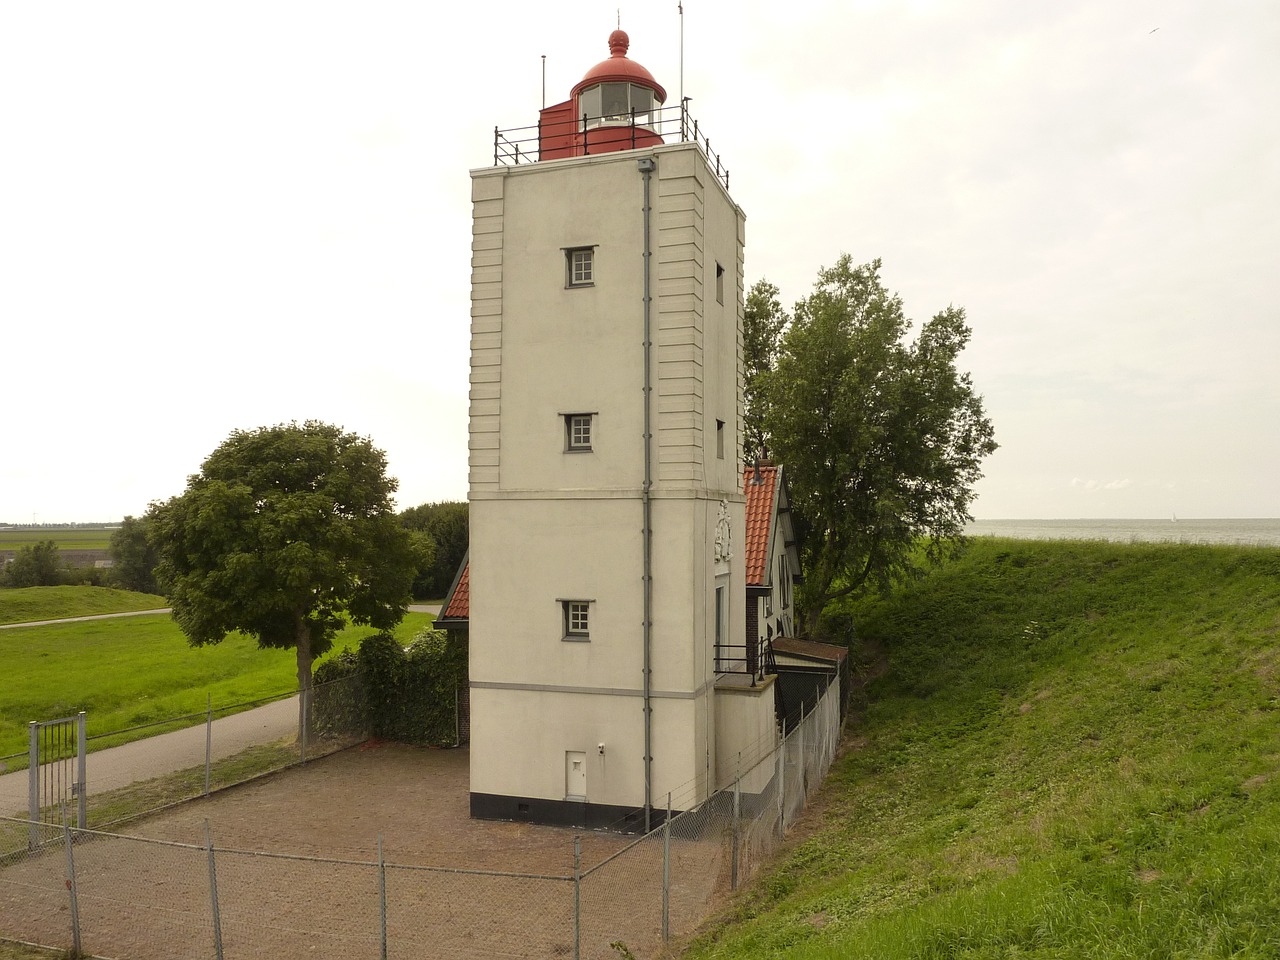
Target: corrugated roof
{"points": [[760, 497], [809, 648]]}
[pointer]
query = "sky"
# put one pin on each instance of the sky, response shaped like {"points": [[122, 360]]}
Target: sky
{"points": [[223, 216]]}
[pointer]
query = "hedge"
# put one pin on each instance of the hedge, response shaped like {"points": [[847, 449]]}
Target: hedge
{"points": [[404, 694]]}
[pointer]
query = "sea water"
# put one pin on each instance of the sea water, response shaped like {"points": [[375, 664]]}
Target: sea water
{"points": [[1256, 532]]}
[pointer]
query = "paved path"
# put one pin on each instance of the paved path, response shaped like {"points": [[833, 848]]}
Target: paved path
{"points": [[413, 608], [179, 750], [97, 616]]}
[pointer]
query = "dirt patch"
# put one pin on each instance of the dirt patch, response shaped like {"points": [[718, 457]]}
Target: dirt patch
{"points": [[1253, 783]]}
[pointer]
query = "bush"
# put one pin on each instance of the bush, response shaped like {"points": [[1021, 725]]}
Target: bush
{"points": [[35, 565], [84, 577]]}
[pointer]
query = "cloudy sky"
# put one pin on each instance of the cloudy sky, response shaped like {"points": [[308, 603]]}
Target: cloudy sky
{"points": [[220, 216]]}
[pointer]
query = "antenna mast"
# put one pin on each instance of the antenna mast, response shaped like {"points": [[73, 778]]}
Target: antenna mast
{"points": [[544, 81], [680, 7]]}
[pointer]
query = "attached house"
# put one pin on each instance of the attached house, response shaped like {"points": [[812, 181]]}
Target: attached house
{"points": [[772, 554]]}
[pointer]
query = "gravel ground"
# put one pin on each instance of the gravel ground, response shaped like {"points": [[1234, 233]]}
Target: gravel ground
{"points": [[449, 888]]}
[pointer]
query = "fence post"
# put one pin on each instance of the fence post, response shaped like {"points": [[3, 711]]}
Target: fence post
{"points": [[666, 874], [782, 781], [72, 889], [208, 745], [82, 814], [33, 785], [382, 896], [213, 894], [804, 779], [577, 897], [737, 826]]}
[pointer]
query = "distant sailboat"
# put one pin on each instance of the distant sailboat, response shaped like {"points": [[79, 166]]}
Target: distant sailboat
{"points": [[1175, 518]]}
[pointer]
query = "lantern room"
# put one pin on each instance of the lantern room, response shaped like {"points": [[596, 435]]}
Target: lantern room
{"points": [[615, 106]]}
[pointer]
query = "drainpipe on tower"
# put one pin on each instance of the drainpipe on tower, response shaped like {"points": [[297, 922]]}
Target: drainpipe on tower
{"points": [[647, 165]]}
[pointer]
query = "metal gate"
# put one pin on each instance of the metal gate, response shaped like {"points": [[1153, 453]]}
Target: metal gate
{"points": [[57, 777]]}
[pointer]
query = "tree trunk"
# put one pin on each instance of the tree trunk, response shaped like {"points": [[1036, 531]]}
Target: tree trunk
{"points": [[303, 645]]}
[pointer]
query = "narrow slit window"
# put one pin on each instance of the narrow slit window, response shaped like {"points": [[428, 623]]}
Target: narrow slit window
{"points": [[720, 439], [720, 618], [719, 283]]}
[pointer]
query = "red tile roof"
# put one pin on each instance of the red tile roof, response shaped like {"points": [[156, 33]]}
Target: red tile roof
{"points": [[760, 497], [459, 606]]}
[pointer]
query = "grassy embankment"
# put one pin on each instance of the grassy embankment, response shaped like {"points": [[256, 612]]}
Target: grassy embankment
{"points": [[134, 670], [26, 604], [1075, 752]]}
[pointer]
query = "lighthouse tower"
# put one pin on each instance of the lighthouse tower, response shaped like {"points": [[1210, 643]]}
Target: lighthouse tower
{"points": [[607, 510]]}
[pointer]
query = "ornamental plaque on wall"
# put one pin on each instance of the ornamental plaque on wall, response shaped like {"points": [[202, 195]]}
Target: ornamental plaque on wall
{"points": [[724, 536]]}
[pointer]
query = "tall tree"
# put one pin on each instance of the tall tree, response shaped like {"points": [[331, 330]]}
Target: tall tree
{"points": [[446, 524], [763, 323], [284, 534], [133, 557], [882, 438]]}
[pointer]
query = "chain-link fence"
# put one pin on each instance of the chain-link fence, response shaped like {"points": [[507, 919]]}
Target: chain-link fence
{"points": [[146, 898], [221, 746]]}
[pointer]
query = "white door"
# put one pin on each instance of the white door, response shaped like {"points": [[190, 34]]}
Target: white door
{"points": [[575, 775]]}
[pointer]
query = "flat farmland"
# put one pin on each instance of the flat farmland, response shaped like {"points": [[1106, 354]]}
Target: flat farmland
{"points": [[79, 538]]}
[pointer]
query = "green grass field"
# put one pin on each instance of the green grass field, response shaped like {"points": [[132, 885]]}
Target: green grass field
{"points": [[1074, 752], [134, 670], [85, 538]]}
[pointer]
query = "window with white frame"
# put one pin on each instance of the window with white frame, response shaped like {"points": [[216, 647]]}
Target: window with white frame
{"points": [[577, 619], [577, 432], [580, 266]]}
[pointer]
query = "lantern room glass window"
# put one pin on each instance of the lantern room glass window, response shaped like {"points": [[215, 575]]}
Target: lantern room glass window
{"points": [[609, 103]]}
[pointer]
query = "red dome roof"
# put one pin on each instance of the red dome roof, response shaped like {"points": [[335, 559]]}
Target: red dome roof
{"points": [[619, 69]]}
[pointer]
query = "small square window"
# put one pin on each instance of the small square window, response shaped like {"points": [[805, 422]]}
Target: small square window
{"points": [[580, 263], [577, 432], [577, 619]]}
